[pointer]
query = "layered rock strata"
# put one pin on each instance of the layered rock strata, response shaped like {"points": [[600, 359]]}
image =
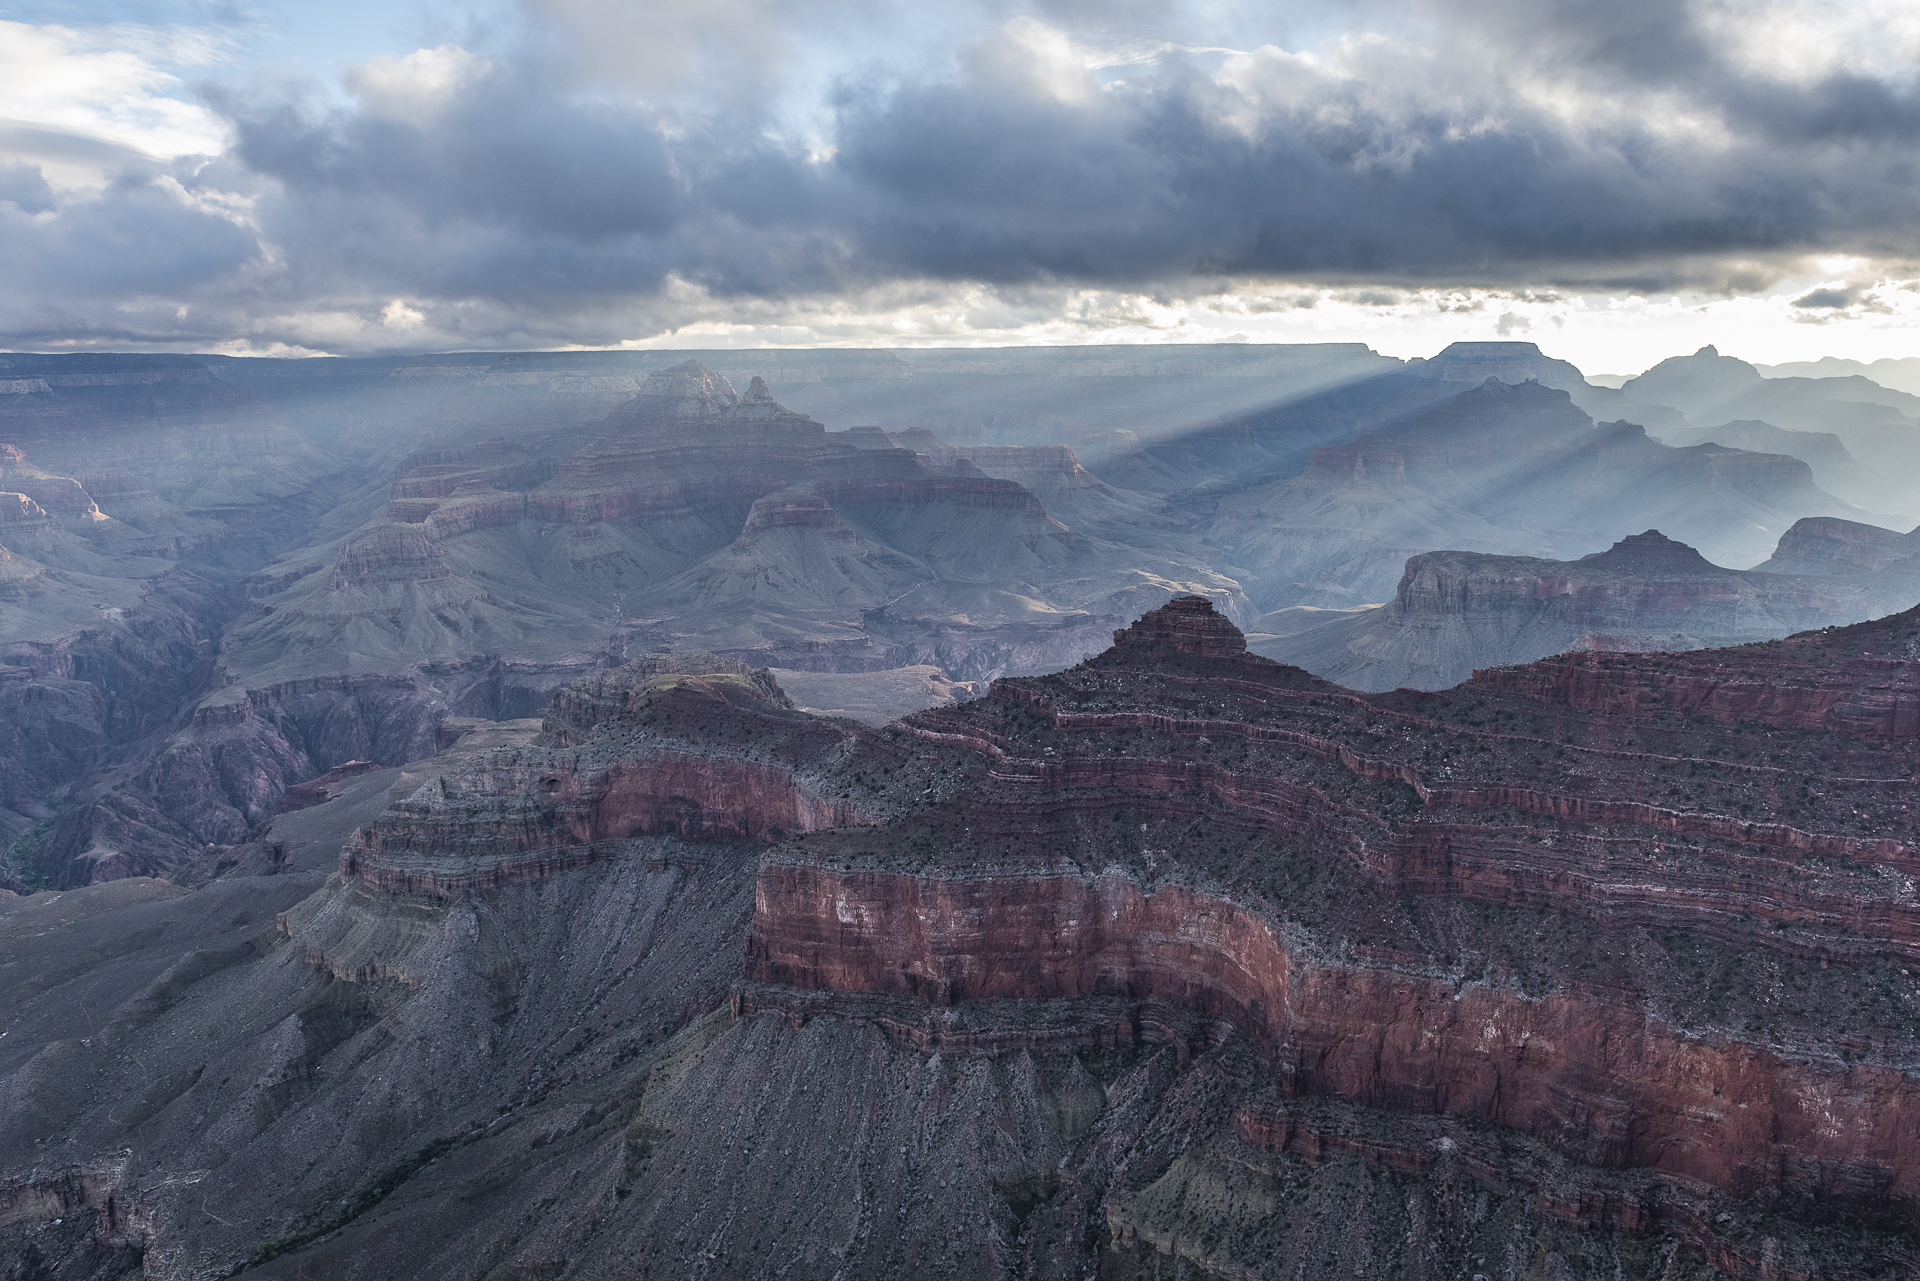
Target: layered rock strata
{"points": [[1181, 823], [690, 745], [700, 517]]}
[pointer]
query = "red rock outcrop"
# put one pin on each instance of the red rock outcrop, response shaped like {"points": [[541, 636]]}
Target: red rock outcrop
{"points": [[613, 763], [1860, 682], [1592, 1076], [1515, 792], [1186, 624]]}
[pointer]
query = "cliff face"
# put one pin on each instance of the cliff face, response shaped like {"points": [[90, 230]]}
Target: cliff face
{"points": [[1450, 905], [699, 517], [1595, 1078], [205, 449], [1457, 612], [1180, 962], [691, 745], [1183, 825], [479, 573]]}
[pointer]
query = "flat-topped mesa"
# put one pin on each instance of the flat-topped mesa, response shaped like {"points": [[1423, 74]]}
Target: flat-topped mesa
{"points": [[1187, 624], [794, 507], [395, 553]]}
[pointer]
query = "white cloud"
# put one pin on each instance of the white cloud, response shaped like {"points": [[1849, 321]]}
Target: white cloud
{"points": [[398, 315], [418, 87], [1805, 40], [71, 98]]}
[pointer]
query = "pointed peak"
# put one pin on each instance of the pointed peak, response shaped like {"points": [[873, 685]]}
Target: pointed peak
{"points": [[687, 390], [1651, 550], [1189, 624], [758, 392], [1708, 350]]}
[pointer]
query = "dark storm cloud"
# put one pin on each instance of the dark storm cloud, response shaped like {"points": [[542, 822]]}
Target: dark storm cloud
{"points": [[1493, 142], [1428, 170], [84, 271]]}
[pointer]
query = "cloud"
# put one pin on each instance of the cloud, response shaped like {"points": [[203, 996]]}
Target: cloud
{"points": [[614, 172], [1826, 298], [416, 88], [106, 86]]}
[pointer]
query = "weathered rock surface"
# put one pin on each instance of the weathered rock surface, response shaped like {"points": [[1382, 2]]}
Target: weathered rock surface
{"points": [[694, 745], [1058, 889], [515, 1037], [1178, 963], [460, 535], [702, 518]]}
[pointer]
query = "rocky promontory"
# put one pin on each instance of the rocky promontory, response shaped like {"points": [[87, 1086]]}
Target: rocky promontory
{"points": [[1466, 909], [1639, 985]]}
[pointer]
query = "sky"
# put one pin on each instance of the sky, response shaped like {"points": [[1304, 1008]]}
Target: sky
{"points": [[1618, 182]]}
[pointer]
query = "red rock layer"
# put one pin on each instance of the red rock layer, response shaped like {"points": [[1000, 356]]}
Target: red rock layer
{"points": [[1864, 696], [586, 784], [1186, 624], [513, 819], [1519, 790], [1592, 1076]]}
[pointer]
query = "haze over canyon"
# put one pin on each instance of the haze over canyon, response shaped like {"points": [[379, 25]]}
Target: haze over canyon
{"points": [[1218, 810]]}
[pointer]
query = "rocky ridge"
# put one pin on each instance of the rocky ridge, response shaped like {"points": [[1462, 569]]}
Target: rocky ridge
{"points": [[1496, 469], [1456, 612], [702, 518], [1159, 965], [1037, 897], [464, 534]]}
